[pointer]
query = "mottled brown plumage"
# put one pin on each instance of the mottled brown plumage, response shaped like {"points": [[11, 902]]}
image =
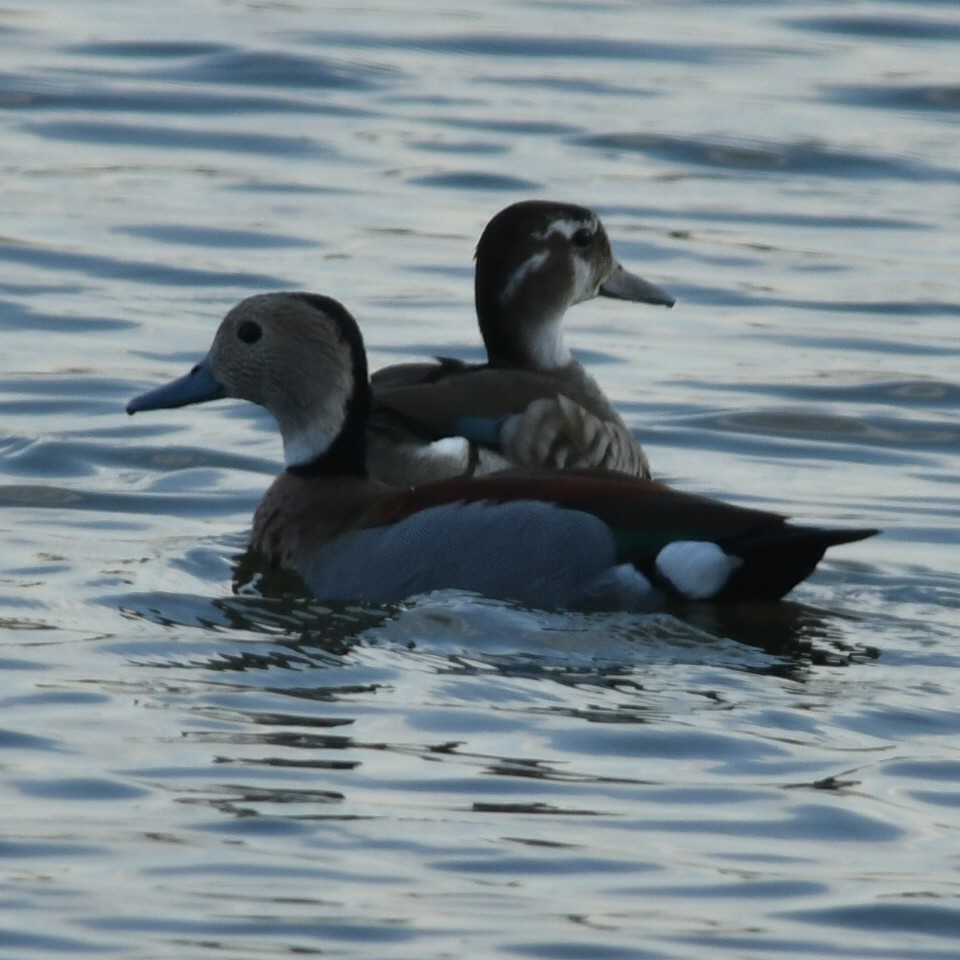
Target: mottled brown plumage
{"points": [[532, 404]]}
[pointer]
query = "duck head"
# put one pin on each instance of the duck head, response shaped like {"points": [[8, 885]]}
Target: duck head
{"points": [[535, 259], [299, 355]]}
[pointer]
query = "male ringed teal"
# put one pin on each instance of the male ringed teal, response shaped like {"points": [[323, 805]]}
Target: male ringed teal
{"points": [[532, 404], [548, 539]]}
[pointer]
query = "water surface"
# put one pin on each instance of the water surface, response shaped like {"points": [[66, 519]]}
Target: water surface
{"points": [[191, 769]]}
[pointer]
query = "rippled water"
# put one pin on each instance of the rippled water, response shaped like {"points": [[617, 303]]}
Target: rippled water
{"points": [[191, 771]]}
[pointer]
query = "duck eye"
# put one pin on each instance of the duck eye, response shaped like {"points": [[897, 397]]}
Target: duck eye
{"points": [[583, 237], [249, 331]]}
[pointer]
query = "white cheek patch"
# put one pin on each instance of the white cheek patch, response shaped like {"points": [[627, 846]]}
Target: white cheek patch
{"points": [[698, 569], [530, 265], [585, 281]]}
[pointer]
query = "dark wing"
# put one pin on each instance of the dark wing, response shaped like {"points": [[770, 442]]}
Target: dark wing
{"points": [[413, 374], [645, 516], [435, 405]]}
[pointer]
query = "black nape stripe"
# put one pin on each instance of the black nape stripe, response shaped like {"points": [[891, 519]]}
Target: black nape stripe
{"points": [[347, 455]]}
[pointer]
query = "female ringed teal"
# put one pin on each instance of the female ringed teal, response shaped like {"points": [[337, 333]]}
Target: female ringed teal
{"points": [[532, 404]]}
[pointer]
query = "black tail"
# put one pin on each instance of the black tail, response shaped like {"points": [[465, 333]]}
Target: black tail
{"points": [[775, 561]]}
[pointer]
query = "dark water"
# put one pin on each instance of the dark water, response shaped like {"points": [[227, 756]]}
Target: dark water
{"points": [[189, 771]]}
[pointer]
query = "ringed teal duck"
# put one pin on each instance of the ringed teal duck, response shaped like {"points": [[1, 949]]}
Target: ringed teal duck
{"points": [[548, 539], [532, 404]]}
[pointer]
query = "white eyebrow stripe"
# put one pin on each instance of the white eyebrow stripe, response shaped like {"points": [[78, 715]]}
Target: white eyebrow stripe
{"points": [[530, 265], [567, 227]]}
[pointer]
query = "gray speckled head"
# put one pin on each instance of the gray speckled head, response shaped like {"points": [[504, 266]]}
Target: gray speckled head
{"points": [[300, 356]]}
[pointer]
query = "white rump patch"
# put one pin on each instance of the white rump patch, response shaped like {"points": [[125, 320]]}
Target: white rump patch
{"points": [[452, 447], [698, 569]]}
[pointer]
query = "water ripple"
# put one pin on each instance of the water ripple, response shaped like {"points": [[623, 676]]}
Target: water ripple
{"points": [[937, 97], [199, 758], [279, 69], [33, 96], [147, 49], [532, 45], [918, 919], [168, 137], [880, 27], [207, 237], [60, 261], [473, 180], [809, 157]]}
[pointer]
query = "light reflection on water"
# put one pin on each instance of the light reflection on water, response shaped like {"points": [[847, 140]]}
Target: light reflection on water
{"points": [[192, 766]]}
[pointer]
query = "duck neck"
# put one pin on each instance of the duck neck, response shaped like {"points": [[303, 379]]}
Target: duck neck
{"points": [[524, 338], [344, 456], [332, 442]]}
